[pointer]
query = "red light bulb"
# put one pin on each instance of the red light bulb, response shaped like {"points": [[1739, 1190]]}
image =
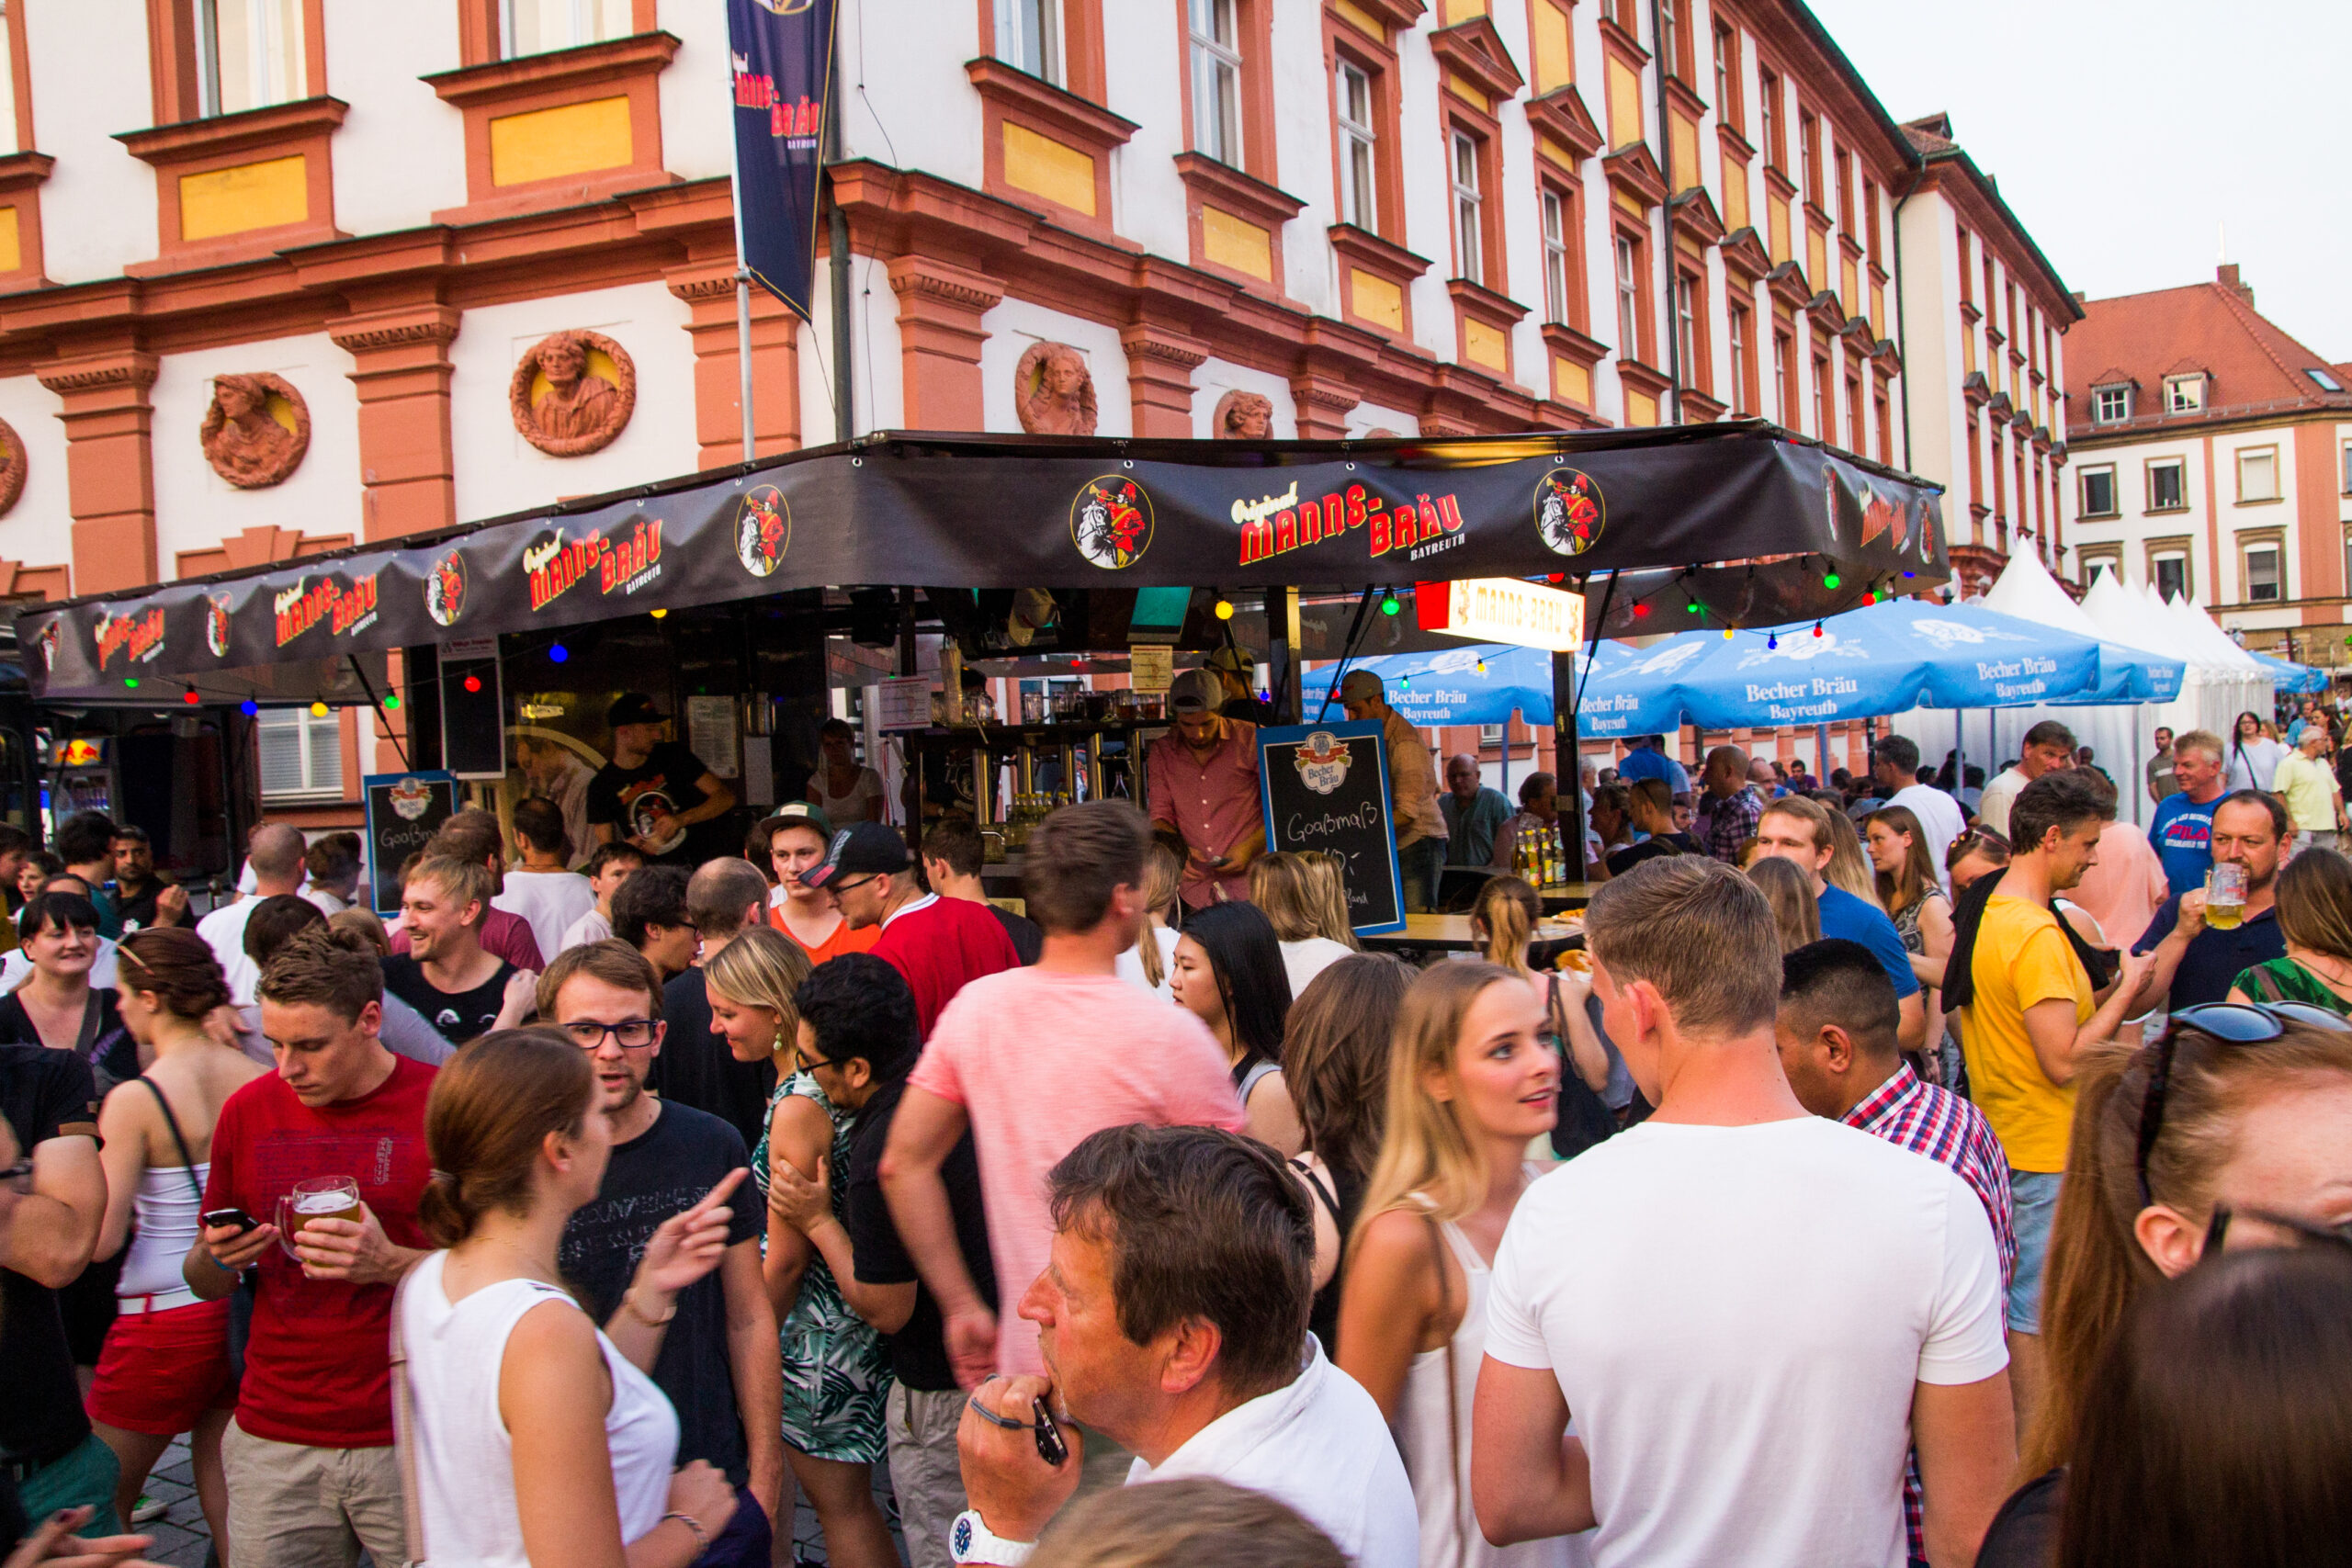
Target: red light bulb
{"points": [[191, 699], [473, 682], [1640, 611]]}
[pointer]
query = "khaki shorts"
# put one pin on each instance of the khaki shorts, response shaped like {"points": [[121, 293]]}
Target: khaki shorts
{"points": [[293, 1507], [925, 1474]]}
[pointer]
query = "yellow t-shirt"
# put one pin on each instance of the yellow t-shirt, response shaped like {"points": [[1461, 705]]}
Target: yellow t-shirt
{"points": [[2304, 784], [2021, 958]]}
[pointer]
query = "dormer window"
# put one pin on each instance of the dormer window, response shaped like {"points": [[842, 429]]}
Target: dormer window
{"points": [[2328, 383], [2112, 405], [2185, 394]]}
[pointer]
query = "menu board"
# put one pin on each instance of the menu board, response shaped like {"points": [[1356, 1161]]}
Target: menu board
{"points": [[403, 811], [1325, 786]]}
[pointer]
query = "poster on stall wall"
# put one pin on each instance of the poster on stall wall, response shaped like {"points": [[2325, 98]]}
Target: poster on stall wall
{"points": [[1325, 786], [710, 735], [405, 810], [1151, 667], [903, 703]]}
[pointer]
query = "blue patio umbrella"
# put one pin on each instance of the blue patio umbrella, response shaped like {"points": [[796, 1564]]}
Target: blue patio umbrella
{"points": [[2292, 677], [1486, 683], [2130, 675]]}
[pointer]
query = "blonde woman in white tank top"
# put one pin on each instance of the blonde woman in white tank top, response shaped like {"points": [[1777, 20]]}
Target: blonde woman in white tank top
{"points": [[1471, 1083], [529, 1437]]}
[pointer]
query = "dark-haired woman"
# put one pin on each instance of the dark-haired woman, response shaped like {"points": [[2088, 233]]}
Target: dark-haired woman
{"points": [[165, 1370], [538, 1439], [57, 1006], [1229, 974], [1335, 1066]]}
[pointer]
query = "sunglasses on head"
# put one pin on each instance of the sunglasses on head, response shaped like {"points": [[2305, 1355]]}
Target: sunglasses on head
{"points": [[2234, 1023]]}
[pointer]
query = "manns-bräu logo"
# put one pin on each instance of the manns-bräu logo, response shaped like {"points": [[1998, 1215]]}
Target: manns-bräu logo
{"points": [[139, 637], [341, 607], [554, 563], [762, 530], [1569, 512], [216, 624], [1110, 522], [445, 589], [1276, 524]]}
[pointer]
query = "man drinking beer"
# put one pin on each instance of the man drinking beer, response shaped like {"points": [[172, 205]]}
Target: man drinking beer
{"points": [[309, 1458], [2201, 942]]}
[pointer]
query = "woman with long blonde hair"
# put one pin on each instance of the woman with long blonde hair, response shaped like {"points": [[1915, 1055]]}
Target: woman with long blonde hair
{"points": [[1470, 1083], [1327, 870], [1284, 885], [1503, 920], [1148, 963], [836, 1371]]}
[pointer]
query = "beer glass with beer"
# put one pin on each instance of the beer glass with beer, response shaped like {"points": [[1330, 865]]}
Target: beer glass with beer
{"points": [[2225, 896], [319, 1198]]}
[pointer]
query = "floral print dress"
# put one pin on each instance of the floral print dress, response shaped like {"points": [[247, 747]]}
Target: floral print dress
{"points": [[836, 1371]]}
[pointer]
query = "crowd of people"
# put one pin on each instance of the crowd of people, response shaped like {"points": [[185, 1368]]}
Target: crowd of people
{"points": [[1847, 1199]]}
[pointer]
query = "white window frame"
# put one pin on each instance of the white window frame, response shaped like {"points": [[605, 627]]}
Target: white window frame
{"points": [[2110, 405], [1736, 330], [1669, 26], [1723, 78], [1212, 29], [318, 752], [2261, 456], [1779, 376], [1358, 148], [1029, 37], [2180, 481], [2093, 565], [2082, 494], [1685, 325], [1629, 298], [2278, 584], [2157, 564], [1469, 209], [273, 37], [2185, 394], [586, 22], [1553, 205]]}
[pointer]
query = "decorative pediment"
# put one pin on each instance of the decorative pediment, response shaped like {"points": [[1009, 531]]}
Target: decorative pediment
{"points": [[1858, 332], [1828, 309], [1889, 356], [2021, 422], [1632, 170], [1788, 285], [1976, 389], [1563, 113], [1694, 213], [1743, 253], [1399, 14], [1474, 51], [2000, 408]]}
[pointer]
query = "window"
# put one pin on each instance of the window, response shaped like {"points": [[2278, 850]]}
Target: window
{"points": [[1727, 59], [1809, 157], [1556, 257], [2328, 383], [1469, 232], [535, 27], [2110, 405], [1821, 426], [1358, 203], [1216, 79], [1629, 297], [1767, 122], [1669, 38], [2171, 576], [2258, 475], [2099, 492], [2348, 474], [1783, 395], [1870, 218], [2093, 565], [2184, 394], [1737, 330], [1686, 326], [1966, 284], [2165, 490], [1847, 213], [1029, 36], [299, 755], [1490, 735], [249, 55], [2262, 582], [1854, 415]]}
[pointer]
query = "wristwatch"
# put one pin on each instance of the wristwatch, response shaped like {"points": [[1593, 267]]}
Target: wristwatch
{"points": [[970, 1541]]}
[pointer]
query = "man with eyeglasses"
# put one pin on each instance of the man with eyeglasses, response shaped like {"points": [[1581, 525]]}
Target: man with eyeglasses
{"points": [[719, 1362], [939, 944]]}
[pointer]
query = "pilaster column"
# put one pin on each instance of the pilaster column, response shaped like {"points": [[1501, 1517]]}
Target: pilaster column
{"points": [[407, 462], [1321, 406], [940, 307], [1159, 379], [109, 465], [708, 289]]}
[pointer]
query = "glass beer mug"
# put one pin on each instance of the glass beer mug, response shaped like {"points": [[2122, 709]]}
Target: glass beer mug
{"points": [[2225, 896], [319, 1198]]}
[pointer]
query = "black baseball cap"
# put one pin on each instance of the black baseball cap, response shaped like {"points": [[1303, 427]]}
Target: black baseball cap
{"points": [[862, 849], [634, 707]]}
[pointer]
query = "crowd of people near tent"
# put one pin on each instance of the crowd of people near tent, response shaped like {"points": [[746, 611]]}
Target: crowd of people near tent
{"points": [[1846, 1195]]}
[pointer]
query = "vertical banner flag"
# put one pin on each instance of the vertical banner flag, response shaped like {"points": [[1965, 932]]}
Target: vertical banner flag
{"points": [[783, 58]]}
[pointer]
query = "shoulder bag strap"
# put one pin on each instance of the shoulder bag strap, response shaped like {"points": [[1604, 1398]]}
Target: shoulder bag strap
{"points": [[1322, 1194], [1452, 1408], [187, 1160], [89, 1031], [405, 1429]]}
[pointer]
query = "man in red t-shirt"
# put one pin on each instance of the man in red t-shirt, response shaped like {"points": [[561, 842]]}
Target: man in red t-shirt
{"points": [[310, 1470], [937, 944]]}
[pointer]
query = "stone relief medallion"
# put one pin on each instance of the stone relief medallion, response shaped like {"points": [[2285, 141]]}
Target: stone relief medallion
{"points": [[1054, 391], [1242, 416], [256, 430], [12, 467], [572, 393]]}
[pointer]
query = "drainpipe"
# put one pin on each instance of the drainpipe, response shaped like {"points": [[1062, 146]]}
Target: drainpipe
{"points": [[1665, 166], [1901, 316]]}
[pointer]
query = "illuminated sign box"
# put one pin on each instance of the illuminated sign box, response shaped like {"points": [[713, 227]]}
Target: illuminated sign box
{"points": [[1503, 609]]}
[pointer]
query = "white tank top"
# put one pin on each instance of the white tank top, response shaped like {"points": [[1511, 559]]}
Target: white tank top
{"points": [[1440, 1468], [165, 1215], [465, 1457]]}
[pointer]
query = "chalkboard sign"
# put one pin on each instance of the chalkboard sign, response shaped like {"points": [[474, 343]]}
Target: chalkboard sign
{"points": [[1326, 787], [403, 811]]}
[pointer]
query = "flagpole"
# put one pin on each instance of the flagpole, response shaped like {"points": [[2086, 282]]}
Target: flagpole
{"points": [[742, 267]]}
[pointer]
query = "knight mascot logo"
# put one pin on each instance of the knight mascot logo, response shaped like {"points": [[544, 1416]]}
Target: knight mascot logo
{"points": [[445, 589], [1322, 759], [1110, 522], [46, 644], [216, 624], [1569, 512], [762, 531]]}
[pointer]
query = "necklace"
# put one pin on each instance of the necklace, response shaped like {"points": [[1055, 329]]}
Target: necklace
{"points": [[532, 1269]]}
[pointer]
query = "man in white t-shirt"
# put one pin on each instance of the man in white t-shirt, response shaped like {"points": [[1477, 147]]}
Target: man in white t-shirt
{"points": [[2047, 745], [276, 854], [1895, 767], [1173, 1320], [541, 890], [1749, 1312]]}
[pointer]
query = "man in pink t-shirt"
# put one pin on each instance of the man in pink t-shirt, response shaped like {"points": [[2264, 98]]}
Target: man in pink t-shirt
{"points": [[1032, 1061]]}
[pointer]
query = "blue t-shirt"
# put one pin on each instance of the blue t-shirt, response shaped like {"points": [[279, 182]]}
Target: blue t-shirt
{"points": [[1645, 763], [1843, 915], [2182, 834], [2215, 958]]}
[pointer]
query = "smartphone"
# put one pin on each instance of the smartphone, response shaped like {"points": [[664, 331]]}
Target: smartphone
{"points": [[1050, 1445], [237, 1217]]}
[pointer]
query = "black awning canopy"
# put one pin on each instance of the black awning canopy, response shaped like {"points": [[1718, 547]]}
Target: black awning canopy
{"points": [[1759, 524]]}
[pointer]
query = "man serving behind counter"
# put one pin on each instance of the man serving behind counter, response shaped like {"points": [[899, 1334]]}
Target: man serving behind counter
{"points": [[1204, 791]]}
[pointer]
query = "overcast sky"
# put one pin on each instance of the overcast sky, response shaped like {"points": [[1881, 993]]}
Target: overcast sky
{"points": [[2126, 133]]}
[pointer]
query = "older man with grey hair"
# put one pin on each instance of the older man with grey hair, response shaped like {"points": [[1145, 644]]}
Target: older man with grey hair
{"points": [[1474, 815], [276, 853]]}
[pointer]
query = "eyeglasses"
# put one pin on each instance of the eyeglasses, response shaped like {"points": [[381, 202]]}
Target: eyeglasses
{"points": [[2234, 1024], [634, 1033], [837, 889], [19, 1177]]}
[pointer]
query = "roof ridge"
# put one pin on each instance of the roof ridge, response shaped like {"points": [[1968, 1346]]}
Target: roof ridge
{"points": [[2250, 322]]}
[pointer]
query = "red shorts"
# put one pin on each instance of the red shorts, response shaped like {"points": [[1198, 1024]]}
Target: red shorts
{"points": [[162, 1370]]}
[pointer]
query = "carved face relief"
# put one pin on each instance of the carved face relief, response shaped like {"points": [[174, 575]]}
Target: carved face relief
{"points": [[1054, 391], [1244, 416], [563, 400], [12, 467], [256, 431]]}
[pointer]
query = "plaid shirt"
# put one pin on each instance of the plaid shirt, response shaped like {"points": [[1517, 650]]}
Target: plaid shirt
{"points": [[1936, 1122], [1731, 822]]}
